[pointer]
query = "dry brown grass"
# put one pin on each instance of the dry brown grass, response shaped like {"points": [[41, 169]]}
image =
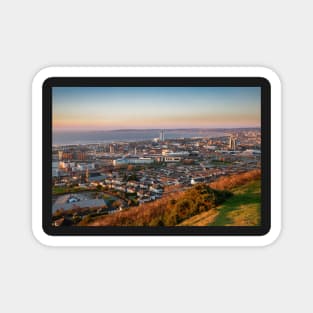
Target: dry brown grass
{"points": [[246, 215], [158, 213], [142, 215], [229, 182], [202, 219]]}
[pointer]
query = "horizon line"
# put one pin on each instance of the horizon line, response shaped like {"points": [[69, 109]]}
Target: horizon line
{"points": [[160, 128]]}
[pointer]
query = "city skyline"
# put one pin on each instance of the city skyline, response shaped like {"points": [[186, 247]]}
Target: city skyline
{"points": [[119, 108]]}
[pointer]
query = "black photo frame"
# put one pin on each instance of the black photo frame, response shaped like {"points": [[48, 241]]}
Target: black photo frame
{"points": [[261, 82]]}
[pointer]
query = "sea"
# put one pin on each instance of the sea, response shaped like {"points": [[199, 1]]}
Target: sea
{"points": [[131, 135]]}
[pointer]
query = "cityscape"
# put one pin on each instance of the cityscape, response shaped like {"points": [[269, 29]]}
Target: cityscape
{"points": [[94, 180], [156, 156]]}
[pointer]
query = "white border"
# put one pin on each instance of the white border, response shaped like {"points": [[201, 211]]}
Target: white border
{"points": [[45, 239]]}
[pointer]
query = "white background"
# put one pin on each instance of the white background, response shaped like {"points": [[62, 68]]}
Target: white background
{"points": [[35, 34]]}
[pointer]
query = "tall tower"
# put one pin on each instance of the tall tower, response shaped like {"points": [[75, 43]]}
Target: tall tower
{"points": [[232, 143], [60, 154], [162, 137]]}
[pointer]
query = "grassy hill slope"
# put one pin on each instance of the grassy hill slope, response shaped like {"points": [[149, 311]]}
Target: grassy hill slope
{"points": [[202, 205], [242, 209]]}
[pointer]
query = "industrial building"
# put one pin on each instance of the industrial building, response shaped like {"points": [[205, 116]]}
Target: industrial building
{"points": [[134, 161]]}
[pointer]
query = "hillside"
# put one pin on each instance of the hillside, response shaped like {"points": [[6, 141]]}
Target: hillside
{"points": [[199, 204], [242, 209]]}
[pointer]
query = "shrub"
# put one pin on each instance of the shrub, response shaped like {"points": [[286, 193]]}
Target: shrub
{"points": [[170, 210]]}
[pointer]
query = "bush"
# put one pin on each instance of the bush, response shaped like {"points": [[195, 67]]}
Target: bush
{"points": [[168, 211], [171, 210]]}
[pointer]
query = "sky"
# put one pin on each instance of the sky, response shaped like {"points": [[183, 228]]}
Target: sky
{"points": [[110, 108]]}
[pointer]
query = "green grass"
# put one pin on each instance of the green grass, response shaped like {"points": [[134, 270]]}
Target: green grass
{"points": [[65, 190], [243, 208], [108, 197]]}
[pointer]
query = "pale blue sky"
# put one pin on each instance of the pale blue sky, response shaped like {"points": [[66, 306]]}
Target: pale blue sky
{"points": [[104, 108]]}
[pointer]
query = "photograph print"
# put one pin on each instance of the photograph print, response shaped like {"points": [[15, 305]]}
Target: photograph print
{"points": [[156, 156]]}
